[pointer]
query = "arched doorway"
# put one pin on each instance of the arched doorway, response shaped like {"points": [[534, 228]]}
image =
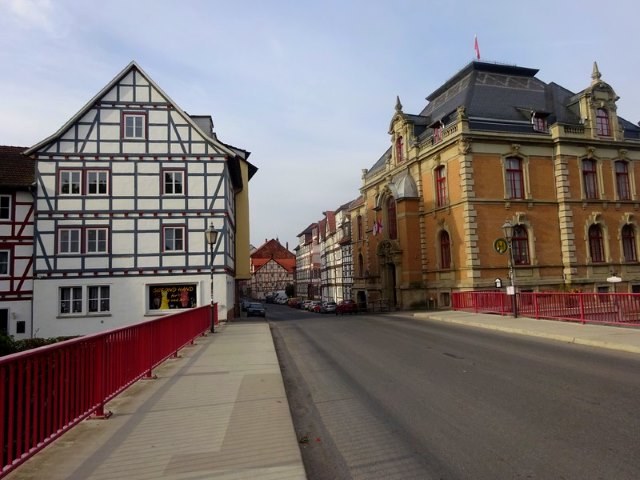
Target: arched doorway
{"points": [[390, 261]]}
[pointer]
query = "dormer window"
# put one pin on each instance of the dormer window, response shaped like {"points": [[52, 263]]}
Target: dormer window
{"points": [[437, 132], [539, 122], [399, 150], [134, 126], [602, 123]]}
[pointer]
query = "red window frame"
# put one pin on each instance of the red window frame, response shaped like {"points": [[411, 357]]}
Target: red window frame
{"points": [[589, 178], [520, 245], [391, 218], [445, 250], [622, 180], [441, 186], [603, 126], [596, 245], [514, 178], [629, 243], [399, 150]]}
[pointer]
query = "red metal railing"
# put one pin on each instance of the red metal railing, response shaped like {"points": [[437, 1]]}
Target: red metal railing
{"points": [[603, 308], [46, 391]]}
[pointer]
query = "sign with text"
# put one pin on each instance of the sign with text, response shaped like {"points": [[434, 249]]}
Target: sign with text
{"points": [[171, 297]]}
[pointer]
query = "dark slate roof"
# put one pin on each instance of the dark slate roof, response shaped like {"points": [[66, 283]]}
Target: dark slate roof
{"points": [[16, 170], [498, 97]]}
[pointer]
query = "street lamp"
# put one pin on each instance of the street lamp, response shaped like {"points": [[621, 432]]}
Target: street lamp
{"points": [[508, 228], [212, 237]]}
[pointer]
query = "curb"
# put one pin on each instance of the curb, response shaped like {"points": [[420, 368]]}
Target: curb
{"points": [[550, 336]]}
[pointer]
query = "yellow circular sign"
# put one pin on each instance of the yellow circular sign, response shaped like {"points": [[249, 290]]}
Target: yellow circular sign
{"points": [[501, 246]]}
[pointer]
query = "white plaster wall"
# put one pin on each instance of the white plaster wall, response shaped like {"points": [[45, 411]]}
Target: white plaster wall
{"points": [[128, 302], [18, 311]]}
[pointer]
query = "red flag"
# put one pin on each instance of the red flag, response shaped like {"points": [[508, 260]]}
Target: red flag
{"points": [[476, 47]]}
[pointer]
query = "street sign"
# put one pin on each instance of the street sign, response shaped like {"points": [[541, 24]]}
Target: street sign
{"points": [[501, 246], [498, 283], [614, 279]]}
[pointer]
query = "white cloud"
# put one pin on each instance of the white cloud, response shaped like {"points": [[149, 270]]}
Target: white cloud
{"points": [[45, 15]]}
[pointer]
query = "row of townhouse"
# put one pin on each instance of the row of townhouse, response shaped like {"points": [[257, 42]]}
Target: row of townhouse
{"points": [[104, 222], [496, 146], [324, 259]]}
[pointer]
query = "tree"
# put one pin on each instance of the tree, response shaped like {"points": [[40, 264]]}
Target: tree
{"points": [[290, 290]]}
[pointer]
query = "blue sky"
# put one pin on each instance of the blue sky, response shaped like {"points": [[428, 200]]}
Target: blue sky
{"points": [[308, 87]]}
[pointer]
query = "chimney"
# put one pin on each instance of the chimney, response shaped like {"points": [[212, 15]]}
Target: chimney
{"points": [[287, 245]]}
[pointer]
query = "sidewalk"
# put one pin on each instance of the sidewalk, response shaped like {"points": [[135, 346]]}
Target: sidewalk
{"points": [[602, 336], [218, 412]]}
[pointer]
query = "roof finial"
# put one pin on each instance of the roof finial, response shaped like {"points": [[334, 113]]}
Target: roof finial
{"points": [[595, 75], [398, 104]]}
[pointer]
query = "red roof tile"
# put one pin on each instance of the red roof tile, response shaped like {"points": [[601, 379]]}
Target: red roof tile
{"points": [[16, 170]]}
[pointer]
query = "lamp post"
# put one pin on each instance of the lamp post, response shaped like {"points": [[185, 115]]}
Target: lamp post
{"points": [[507, 228], [212, 237]]}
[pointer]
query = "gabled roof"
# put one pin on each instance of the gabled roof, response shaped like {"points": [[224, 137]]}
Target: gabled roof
{"points": [[219, 146], [308, 230], [287, 264], [17, 171], [272, 249]]}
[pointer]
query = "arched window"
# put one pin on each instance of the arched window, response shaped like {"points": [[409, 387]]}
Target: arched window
{"points": [[520, 245], [602, 122], [399, 150], [622, 180], [445, 250], [596, 245], [441, 186], [360, 265], [359, 222], [589, 178], [391, 218], [629, 243], [514, 178]]}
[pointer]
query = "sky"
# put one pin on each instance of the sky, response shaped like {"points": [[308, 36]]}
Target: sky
{"points": [[308, 87]]}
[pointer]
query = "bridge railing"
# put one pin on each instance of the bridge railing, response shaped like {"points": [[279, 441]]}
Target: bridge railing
{"points": [[602, 308], [44, 392]]}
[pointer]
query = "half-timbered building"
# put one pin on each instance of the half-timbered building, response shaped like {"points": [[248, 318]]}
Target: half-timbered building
{"points": [[272, 268], [16, 241], [125, 192]]}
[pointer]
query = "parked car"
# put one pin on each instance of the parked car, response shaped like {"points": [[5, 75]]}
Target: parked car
{"points": [[294, 302], [256, 310], [346, 306], [328, 307], [314, 306], [305, 304], [244, 303]]}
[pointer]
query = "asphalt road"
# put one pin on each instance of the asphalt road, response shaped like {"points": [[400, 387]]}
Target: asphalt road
{"points": [[392, 397]]}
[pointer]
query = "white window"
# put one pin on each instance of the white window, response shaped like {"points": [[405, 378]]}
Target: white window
{"points": [[173, 239], [70, 300], [134, 126], [97, 182], [96, 240], [70, 182], [174, 182], [4, 262], [99, 299], [69, 240], [5, 207]]}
